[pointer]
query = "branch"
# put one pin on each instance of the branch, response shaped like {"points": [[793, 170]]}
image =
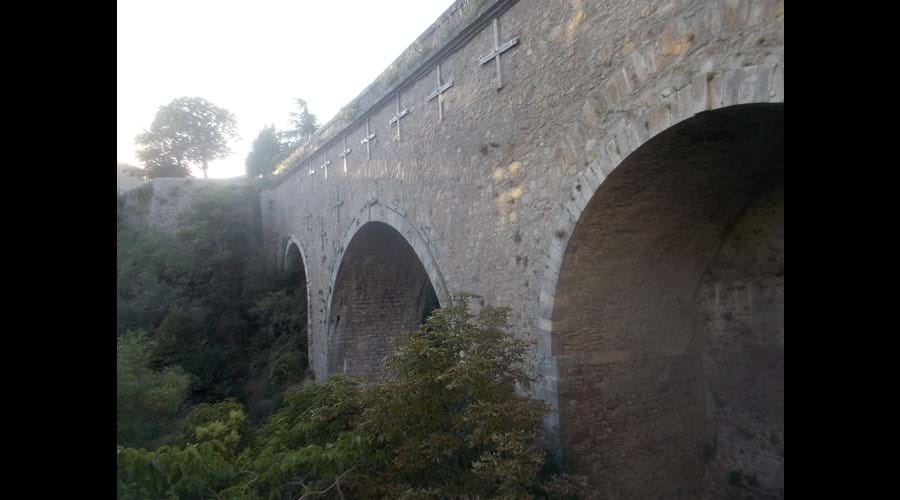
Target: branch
{"points": [[336, 482], [255, 478]]}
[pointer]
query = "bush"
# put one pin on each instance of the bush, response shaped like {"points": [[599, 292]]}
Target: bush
{"points": [[175, 341], [147, 401], [447, 424], [450, 417], [225, 421]]}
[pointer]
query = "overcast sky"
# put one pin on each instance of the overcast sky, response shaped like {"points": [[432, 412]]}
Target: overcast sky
{"points": [[253, 57]]}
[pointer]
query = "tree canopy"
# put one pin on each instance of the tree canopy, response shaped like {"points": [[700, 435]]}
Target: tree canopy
{"points": [[266, 148], [187, 130], [447, 423], [303, 125]]}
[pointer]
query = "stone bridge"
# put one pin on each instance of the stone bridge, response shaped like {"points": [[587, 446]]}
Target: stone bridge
{"points": [[611, 170]]}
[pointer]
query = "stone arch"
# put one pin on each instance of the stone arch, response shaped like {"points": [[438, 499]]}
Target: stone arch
{"points": [[566, 377], [295, 255], [385, 281]]}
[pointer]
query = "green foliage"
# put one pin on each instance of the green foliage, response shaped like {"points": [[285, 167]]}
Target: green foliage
{"points": [[264, 152], [303, 126], [152, 276], [147, 401], [225, 421], [193, 471], [187, 130], [314, 414], [159, 156], [176, 340], [447, 423], [205, 296], [282, 312], [450, 417], [309, 445], [220, 225]]}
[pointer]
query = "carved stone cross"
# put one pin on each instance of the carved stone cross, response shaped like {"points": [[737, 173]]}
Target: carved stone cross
{"points": [[396, 118], [344, 154], [308, 215], [338, 202], [327, 162], [439, 93], [498, 49], [369, 137]]}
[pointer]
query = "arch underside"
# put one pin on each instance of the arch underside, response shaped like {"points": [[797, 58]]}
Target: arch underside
{"points": [[668, 325], [382, 291], [294, 269]]}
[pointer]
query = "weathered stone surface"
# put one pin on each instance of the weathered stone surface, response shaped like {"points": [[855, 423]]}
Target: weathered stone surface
{"points": [[160, 203], [494, 199], [630, 344]]}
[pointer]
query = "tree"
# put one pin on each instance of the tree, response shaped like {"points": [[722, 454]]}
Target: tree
{"points": [[147, 401], [187, 130], [160, 157], [303, 125], [265, 150], [449, 415], [447, 423]]}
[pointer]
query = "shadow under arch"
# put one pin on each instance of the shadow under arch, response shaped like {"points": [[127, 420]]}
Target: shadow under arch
{"points": [[667, 346], [385, 283], [704, 92], [294, 264]]}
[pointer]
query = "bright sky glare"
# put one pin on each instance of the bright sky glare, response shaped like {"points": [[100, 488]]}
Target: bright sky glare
{"points": [[253, 58]]}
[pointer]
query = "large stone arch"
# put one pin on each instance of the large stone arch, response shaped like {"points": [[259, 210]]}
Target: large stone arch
{"points": [[388, 268], [707, 92]]}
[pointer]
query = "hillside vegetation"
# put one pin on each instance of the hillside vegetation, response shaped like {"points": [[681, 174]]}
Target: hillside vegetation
{"points": [[214, 399]]}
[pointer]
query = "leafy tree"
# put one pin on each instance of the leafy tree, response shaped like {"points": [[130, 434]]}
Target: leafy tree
{"points": [[266, 148], [161, 156], [447, 423], [303, 126], [449, 415], [308, 446], [192, 472], [176, 341], [147, 401], [187, 130], [224, 421], [153, 274]]}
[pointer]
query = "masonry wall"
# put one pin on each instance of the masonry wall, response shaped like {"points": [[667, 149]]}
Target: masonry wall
{"points": [[380, 296], [742, 313], [160, 203], [489, 197], [630, 356]]}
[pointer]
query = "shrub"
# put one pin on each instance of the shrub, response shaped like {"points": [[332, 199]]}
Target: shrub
{"points": [[450, 417], [448, 423], [175, 341], [147, 401]]}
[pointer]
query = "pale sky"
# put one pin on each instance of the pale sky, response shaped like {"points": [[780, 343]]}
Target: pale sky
{"points": [[253, 57]]}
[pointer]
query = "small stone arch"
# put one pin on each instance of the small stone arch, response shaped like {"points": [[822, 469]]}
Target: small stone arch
{"points": [[294, 242], [370, 215]]}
